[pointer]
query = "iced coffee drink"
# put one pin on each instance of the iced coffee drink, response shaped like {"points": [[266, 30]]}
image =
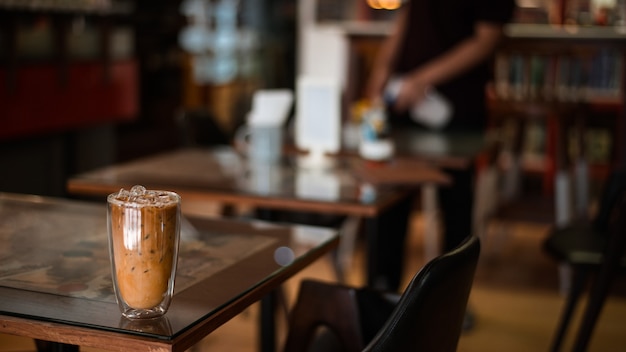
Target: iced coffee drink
{"points": [[144, 230]]}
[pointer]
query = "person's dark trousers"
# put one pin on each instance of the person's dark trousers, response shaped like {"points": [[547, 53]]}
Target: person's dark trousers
{"points": [[455, 209], [387, 247]]}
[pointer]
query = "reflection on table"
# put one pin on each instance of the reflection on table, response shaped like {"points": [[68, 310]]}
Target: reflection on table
{"points": [[222, 175]]}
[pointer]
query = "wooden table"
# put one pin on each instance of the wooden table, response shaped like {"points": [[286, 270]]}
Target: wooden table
{"points": [[55, 282]]}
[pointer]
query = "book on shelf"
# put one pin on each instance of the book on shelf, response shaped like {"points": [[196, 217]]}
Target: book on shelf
{"points": [[534, 143], [606, 72], [559, 77], [537, 76], [606, 13], [518, 76], [531, 15], [594, 145], [501, 75], [598, 144]]}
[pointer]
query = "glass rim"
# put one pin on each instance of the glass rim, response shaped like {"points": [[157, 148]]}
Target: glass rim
{"points": [[174, 198]]}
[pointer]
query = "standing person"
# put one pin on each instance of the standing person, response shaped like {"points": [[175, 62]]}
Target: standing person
{"points": [[444, 45]]}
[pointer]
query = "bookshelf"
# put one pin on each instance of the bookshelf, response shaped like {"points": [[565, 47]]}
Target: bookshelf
{"points": [[567, 72], [564, 85], [559, 86]]}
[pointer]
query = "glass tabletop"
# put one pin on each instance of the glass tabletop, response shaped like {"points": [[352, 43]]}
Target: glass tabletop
{"points": [[221, 172], [54, 266]]}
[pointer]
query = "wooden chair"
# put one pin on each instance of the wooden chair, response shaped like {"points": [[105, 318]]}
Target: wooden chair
{"points": [[428, 316], [595, 247]]}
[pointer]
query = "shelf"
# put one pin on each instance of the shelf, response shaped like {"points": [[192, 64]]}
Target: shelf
{"points": [[531, 108], [545, 107], [111, 7], [545, 31], [370, 29]]}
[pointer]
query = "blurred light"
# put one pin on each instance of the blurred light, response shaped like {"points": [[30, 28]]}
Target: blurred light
{"points": [[284, 256], [384, 4]]}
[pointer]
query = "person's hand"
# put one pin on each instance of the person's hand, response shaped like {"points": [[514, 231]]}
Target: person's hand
{"points": [[412, 91]]}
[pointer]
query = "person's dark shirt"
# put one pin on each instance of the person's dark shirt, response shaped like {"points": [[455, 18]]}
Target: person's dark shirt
{"points": [[435, 26]]}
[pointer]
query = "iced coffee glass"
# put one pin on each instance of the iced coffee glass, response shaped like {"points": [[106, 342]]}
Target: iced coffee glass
{"points": [[144, 231]]}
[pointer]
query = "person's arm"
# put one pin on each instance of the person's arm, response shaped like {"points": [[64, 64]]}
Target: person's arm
{"points": [[454, 62], [385, 58]]}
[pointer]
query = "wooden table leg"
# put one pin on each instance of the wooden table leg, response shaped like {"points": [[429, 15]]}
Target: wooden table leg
{"points": [[267, 323], [267, 317], [347, 242], [431, 228], [386, 236], [49, 346]]}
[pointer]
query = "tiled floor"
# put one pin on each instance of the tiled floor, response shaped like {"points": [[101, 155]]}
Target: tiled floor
{"points": [[515, 298]]}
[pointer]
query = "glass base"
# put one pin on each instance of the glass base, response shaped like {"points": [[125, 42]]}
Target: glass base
{"points": [[132, 313]]}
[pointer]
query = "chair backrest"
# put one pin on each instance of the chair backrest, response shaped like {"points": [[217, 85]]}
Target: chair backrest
{"points": [[430, 313], [613, 259], [428, 316], [614, 186]]}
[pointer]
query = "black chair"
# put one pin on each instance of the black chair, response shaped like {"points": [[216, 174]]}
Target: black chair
{"points": [[428, 316], [595, 247]]}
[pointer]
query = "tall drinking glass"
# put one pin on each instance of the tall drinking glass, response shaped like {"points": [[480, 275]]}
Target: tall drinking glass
{"points": [[144, 231]]}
